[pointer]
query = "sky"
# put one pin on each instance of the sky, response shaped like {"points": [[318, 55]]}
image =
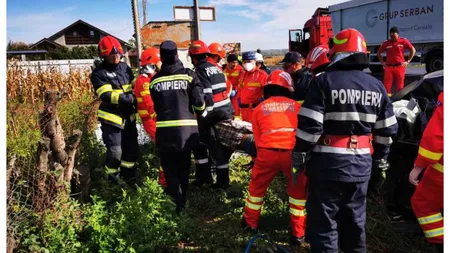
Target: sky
{"points": [[255, 24]]}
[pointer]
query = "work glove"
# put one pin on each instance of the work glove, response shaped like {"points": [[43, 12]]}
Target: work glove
{"points": [[127, 100], [299, 161], [414, 175], [233, 93], [379, 168]]}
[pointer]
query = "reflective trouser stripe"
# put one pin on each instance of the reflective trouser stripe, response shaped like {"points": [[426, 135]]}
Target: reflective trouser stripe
{"points": [[175, 123], [434, 232], [439, 167], [224, 166], [252, 206], [343, 151], [255, 199], [430, 219], [201, 161], [297, 202], [111, 170], [143, 112], [296, 212], [126, 164], [140, 100], [110, 117]]}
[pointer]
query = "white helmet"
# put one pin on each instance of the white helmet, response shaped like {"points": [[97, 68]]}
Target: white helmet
{"points": [[259, 57]]}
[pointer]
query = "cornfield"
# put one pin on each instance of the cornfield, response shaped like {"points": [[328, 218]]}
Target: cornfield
{"points": [[29, 85]]}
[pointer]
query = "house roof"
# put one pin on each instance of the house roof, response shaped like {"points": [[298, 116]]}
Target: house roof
{"points": [[27, 52], [45, 40], [56, 35]]}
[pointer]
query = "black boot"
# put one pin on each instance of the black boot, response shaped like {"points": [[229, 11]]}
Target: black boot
{"points": [[439, 247], [297, 241], [202, 175], [247, 228], [129, 175], [223, 179]]}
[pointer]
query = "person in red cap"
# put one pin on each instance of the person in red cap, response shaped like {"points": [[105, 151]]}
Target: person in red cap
{"points": [[233, 71], [150, 64], [112, 81], [428, 199], [395, 64], [274, 125], [317, 60]]}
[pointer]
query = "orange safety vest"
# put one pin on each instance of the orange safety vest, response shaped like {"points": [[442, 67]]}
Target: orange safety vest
{"points": [[251, 86], [274, 123]]}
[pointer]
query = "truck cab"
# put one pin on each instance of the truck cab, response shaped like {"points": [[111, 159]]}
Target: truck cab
{"points": [[316, 31]]}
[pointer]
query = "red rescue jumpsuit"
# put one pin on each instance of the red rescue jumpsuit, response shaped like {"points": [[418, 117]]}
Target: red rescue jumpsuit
{"points": [[233, 76], [251, 88], [147, 112], [428, 199], [394, 71], [274, 125]]}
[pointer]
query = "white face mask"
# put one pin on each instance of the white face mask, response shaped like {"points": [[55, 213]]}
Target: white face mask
{"points": [[248, 66], [221, 62], [149, 69]]}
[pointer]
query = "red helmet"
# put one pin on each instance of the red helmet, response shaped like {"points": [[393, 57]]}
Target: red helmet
{"points": [[317, 57], [280, 78], [348, 40], [150, 56], [217, 49], [198, 47], [109, 45]]}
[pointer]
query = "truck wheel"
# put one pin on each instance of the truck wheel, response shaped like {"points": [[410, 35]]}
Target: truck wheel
{"points": [[434, 63], [375, 69]]}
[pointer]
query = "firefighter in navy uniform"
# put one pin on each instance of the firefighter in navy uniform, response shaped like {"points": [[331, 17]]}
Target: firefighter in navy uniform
{"points": [[343, 109], [177, 96], [112, 81], [216, 97]]}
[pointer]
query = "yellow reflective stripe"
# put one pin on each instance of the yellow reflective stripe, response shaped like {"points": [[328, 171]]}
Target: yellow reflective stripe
{"points": [[111, 170], [161, 169], [133, 117], [297, 202], [115, 97], [430, 155], [252, 206], [143, 112], [434, 232], [236, 73], [300, 101], [254, 85], [110, 117], [127, 164], [103, 89], [153, 115], [438, 167], [140, 100], [296, 212], [430, 219], [145, 92], [339, 42], [174, 123], [127, 87], [171, 78], [201, 108], [255, 199]]}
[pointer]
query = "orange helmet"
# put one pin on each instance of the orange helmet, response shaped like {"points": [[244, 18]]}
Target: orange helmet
{"points": [[198, 47], [317, 57], [109, 45], [150, 56], [280, 78], [348, 40], [217, 49]]}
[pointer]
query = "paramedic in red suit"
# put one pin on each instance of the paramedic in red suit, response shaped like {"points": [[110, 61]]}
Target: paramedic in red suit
{"points": [[395, 64], [428, 199], [274, 126]]}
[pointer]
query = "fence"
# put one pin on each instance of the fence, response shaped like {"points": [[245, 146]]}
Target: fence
{"points": [[62, 66]]}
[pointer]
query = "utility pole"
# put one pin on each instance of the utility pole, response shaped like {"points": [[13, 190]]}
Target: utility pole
{"points": [[144, 11], [197, 20], [137, 27]]}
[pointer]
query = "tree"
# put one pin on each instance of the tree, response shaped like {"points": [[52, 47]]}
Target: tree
{"points": [[16, 46]]}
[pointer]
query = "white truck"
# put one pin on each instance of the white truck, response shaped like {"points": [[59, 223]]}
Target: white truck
{"points": [[421, 22]]}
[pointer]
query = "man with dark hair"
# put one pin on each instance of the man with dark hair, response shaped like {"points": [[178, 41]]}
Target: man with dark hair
{"points": [[395, 64]]}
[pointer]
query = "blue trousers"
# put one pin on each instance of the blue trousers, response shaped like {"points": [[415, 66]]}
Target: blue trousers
{"points": [[336, 216]]}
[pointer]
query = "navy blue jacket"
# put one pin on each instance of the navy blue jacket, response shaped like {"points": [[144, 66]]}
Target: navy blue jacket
{"points": [[345, 103]]}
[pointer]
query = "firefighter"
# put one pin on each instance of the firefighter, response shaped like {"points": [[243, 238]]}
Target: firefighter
{"points": [[233, 71], [178, 97], [343, 108], [251, 86], [428, 199], [274, 124], [150, 63], [395, 64], [260, 63], [317, 60], [292, 64], [216, 54], [217, 98], [112, 81]]}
